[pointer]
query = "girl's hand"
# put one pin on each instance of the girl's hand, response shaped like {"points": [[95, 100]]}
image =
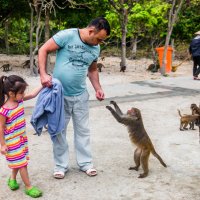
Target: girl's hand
{"points": [[4, 149]]}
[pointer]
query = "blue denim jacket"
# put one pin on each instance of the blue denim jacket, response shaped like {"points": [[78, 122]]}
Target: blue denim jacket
{"points": [[49, 110]]}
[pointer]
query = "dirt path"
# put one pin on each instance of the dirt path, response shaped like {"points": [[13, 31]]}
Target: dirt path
{"points": [[158, 98]]}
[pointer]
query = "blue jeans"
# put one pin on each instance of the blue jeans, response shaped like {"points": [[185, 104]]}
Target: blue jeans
{"points": [[77, 108]]}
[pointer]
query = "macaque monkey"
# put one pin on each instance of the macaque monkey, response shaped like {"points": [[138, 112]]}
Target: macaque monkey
{"points": [[153, 67], [6, 67], [138, 136], [100, 66], [195, 109], [103, 58], [26, 64], [122, 67], [188, 119]]}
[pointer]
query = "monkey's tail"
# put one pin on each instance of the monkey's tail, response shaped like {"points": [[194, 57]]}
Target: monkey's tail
{"points": [[158, 157], [179, 112]]}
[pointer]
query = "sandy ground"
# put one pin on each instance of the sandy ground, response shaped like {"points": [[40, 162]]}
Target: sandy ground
{"points": [[158, 98], [136, 69]]}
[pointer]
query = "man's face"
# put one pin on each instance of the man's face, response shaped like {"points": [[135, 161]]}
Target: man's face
{"points": [[95, 37]]}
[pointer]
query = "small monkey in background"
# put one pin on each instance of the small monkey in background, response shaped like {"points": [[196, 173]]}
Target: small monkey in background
{"points": [[138, 136], [6, 67], [100, 66], [196, 110], [188, 119]]}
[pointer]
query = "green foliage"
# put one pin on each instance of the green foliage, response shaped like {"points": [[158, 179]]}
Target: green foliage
{"points": [[9, 8], [113, 19], [1, 33], [147, 20], [188, 23], [18, 35]]}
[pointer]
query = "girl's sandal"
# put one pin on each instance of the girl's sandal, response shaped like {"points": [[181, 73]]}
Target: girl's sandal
{"points": [[13, 185], [33, 192]]}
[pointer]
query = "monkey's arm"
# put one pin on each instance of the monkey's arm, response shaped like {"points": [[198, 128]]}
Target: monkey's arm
{"points": [[120, 118], [118, 110]]}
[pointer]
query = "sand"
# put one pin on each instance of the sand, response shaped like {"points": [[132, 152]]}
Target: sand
{"points": [[111, 148]]}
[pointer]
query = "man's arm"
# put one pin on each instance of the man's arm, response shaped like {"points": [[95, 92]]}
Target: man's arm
{"points": [[46, 48], [94, 79]]}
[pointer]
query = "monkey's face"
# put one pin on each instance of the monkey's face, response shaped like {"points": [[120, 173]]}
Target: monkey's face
{"points": [[134, 113], [193, 106]]}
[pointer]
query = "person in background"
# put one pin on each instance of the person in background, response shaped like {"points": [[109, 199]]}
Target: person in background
{"points": [[194, 50], [13, 139], [76, 59]]}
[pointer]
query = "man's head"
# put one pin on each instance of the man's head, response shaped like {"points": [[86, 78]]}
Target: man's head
{"points": [[99, 24], [197, 33], [98, 30]]}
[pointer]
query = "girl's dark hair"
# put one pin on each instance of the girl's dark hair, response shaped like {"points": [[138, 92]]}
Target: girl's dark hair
{"points": [[100, 23], [12, 83]]}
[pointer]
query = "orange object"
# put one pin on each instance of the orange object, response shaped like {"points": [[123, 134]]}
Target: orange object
{"points": [[160, 51]]}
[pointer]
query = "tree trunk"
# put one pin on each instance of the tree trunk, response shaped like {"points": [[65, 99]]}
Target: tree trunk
{"points": [[31, 42], [164, 60], [173, 53], [6, 36], [47, 27], [38, 10], [154, 55], [173, 15], [124, 31], [133, 47], [123, 7]]}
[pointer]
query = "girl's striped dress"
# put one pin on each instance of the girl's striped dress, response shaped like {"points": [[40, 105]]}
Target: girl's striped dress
{"points": [[15, 136]]}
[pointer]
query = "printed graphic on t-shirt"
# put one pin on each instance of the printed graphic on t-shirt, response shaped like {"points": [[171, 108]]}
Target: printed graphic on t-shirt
{"points": [[80, 56]]}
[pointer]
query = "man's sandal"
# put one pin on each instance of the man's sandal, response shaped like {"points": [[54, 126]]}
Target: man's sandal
{"points": [[59, 175], [13, 185], [196, 78], [91, 172], [33, 192]]}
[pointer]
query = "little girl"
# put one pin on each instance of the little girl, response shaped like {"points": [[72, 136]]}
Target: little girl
{"points": [[13, 139]]}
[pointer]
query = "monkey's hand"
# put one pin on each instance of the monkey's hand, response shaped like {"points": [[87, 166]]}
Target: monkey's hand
{"points": [[113, 102], [109, 108]]}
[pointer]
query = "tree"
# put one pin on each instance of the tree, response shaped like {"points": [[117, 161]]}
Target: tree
{"points": [[146, 21], [188, 22], [36, 7], [123, 8], [173, 16], [7, 10]]}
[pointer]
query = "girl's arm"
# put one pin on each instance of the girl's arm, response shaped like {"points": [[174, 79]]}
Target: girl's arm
{"points": [[4, 148], [33, 94]]}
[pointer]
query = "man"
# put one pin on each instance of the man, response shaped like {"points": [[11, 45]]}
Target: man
{"points": [[76, 58], [194, 50]]}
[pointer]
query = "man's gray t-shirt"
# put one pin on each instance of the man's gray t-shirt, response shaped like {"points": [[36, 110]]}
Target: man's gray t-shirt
{"points": [[72, 61]]}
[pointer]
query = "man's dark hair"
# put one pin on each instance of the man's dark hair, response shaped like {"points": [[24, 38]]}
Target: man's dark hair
{"points": [[100, 23]]}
